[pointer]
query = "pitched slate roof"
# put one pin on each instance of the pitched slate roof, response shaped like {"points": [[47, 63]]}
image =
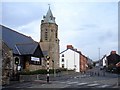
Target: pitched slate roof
{"points": [[19, 43], [26, 48], [72, 50]]}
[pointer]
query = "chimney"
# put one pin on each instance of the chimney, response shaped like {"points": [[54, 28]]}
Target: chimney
{"points": [[113, 52], [69, 47]]}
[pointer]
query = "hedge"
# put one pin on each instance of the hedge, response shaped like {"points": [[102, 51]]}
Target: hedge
{"points": [[41, 71]]}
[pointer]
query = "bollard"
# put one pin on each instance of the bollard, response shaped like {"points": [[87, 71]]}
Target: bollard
{"points": [[48, 68], [37, 77], [95, 73], [103, 73], [47, 78], [98, 74]]}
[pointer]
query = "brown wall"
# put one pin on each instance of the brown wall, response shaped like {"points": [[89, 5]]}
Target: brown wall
{"points": [[83, 63]]}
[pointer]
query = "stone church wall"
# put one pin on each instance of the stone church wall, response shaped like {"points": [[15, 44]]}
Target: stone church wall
{"points": [[7, 64]]}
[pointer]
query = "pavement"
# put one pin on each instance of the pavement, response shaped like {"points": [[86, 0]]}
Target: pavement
{"points": [[78, 81], [72, 80]]}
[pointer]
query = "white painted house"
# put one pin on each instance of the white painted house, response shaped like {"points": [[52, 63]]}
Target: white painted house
{"points": [[104, 61], [70, 59]]}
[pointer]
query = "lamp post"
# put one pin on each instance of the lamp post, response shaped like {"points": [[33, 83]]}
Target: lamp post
{"points": [[54, 68], [118, 71]]}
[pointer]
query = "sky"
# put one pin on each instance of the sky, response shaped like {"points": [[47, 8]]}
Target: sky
{"points": [[87, 26]]}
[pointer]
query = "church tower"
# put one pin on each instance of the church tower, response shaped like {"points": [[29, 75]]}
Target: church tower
{"points": [[49, 41]]}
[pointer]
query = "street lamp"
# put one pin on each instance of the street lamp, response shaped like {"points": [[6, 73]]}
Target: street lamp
{"points": [[99, 55], [54, 68]]}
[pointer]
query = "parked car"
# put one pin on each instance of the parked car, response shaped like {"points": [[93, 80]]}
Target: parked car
{"points": [[101, 67]]}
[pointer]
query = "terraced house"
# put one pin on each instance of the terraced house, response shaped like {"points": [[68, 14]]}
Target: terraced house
{"points": [[72, 59]]}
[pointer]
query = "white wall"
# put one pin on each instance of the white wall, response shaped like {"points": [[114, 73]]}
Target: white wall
{"points": [[71, 59], [104, 61]]}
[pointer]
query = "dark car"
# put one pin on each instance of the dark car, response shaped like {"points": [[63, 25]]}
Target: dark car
{"points": [[101, 68]]}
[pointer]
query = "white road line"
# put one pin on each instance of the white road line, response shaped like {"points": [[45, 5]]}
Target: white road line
{"points": [[62, 82], [82, 83], [65, 86], [90, 85], [72, 82], [68, 81], [103, 86]]}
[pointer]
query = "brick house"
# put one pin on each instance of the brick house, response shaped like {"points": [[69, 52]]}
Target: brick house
{"points": [[83, 63], [112, 60]]}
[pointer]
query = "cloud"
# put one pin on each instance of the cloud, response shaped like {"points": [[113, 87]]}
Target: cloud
{"points": [[31, 29], [22, 12], [85, 25]]}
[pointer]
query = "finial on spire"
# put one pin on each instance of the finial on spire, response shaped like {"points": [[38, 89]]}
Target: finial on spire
{"points": [[49, 16], [49, 5]]}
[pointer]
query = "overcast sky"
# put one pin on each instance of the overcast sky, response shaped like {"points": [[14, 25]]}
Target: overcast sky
{"points": [[85, 25]]}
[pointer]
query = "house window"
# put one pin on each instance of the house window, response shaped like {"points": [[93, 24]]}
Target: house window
{"points": [[62, 65], [62, 55], [62, 59]]}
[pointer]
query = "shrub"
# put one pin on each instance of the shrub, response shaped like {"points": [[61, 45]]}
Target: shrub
{"points": [[41, 71]]}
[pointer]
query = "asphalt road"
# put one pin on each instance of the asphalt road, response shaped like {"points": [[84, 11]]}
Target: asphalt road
{"points": [[90, 79]]}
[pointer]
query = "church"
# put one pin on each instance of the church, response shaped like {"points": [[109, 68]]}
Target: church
{"points": [[27, 50], [30, 55], [49, 41]]}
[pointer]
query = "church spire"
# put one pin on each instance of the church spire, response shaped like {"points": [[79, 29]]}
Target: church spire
{"points": [[49, 17]]}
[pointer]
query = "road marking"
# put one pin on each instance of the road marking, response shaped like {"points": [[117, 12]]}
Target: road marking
{"points": [[62, 82], [82, 83], [72, 82], [103, 86], [68, 81], [90, 85], [66, 86]]}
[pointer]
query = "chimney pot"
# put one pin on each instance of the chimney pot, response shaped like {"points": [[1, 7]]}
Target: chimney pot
{"points": [[113, 52], [69, 47]]}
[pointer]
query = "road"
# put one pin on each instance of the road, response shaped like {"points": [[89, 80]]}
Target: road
{"points": [[93, 78]]}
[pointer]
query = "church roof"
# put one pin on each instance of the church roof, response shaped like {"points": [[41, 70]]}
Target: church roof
{"points": [[19, 43], [26, 48], [49, 17]]}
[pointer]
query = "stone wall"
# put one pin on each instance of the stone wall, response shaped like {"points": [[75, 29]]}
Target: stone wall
{"points": [[35, 67], [49, 42], [7, 64]]}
